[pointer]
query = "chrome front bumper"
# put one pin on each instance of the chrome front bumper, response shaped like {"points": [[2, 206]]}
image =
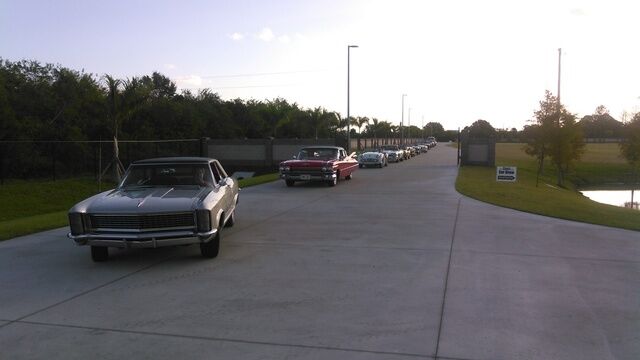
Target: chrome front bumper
{"points": [[303, 177], [143, 240]]}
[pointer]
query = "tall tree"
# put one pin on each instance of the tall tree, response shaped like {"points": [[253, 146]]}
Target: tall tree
{"points": [[601, 125], [555, 134], [114, 103], [630, 146], [360, 122], [434, 129], [480, 128]]}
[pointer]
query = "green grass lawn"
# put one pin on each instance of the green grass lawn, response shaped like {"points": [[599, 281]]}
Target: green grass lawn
{"points": [[37, 205], [600, 164]]}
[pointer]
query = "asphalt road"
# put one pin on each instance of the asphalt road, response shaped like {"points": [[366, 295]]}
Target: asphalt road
{"points": [[394, 264]]}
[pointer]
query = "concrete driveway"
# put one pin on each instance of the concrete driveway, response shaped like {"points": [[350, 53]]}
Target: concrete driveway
{"points": [[393, 264]]}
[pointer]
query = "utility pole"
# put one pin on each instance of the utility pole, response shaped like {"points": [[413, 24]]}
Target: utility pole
{"points": [[402, 122], [409, 127], [348, 115], [559, 73]]}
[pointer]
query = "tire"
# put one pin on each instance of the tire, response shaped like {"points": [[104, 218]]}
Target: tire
{"points": [[99, 253], [289, 182], [211, 249], [231, 220], [333, 182]]}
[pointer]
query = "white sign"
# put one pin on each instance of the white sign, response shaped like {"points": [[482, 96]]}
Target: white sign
{"points": [[506, 173]]}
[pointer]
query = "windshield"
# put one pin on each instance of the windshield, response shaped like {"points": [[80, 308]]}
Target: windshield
{"points": [[168, 175], [317, 154]]}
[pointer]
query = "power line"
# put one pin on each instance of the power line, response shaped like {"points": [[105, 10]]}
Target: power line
{"points": [[250, 86], [261, 74]]}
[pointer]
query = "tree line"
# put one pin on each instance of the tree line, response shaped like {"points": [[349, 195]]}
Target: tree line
{"points": [[46, 102], [51, 102], [556, 136]]}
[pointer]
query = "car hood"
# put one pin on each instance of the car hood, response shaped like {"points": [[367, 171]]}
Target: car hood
{"points": [[306, 163], [146, 200]]}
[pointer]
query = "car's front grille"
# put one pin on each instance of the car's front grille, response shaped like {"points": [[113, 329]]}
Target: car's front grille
{"points": [[305, 171], [143, 222]]}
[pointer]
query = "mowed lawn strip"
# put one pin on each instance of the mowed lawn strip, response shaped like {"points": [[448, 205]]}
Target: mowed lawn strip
{"points": [[600, 165], [37, 205]]}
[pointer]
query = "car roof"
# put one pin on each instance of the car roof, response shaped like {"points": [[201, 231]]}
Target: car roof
{"points": [[174, 160]]}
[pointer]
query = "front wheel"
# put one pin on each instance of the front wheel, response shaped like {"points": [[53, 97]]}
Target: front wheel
{"points": [[211, 249], [99, 253], [333, 181], [231, 220], [289, 182]]}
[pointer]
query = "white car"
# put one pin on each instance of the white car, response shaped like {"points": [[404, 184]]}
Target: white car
{"points": [[393, 152], [371, 158]]}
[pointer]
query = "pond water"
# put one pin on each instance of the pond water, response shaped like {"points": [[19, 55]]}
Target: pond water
{"points": [[614, 197]]}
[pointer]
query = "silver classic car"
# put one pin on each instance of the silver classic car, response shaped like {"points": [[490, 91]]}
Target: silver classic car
{"points": [[160, 202], [371, 158]]}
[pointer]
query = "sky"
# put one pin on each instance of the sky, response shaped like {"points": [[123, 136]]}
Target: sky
{"points": [[456, 61]]}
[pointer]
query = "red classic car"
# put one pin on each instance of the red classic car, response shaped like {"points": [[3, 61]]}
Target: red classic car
{"points": [[319, 163]]}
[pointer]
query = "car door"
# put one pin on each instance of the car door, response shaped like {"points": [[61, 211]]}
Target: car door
{"points": [[345, 164], [226, 189]]}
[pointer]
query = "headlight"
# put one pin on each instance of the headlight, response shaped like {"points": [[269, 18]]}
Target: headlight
{"points": [[76, 224], [203, 218]]}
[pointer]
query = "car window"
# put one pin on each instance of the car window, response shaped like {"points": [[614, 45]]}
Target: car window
{"points": [[317, 154], [216, 174], [167, 175]]}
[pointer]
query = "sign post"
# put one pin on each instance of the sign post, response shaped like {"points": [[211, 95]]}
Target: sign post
{"points": [[506, 173]]}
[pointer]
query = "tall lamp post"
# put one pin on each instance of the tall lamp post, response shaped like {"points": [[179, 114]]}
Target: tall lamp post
{"points": [[409, 127], [559, 73], [348, 85], [402, 122]]}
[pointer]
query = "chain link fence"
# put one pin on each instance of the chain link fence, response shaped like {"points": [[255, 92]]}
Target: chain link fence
{"points": [[61, 159]]}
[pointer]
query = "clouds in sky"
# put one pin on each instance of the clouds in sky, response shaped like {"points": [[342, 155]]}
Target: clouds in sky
{"points": [[236, 36], [188, 81], [267, 35]]}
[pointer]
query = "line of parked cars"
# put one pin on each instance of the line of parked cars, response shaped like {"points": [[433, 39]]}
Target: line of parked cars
{"points": [[330, 163], [189, 200]]}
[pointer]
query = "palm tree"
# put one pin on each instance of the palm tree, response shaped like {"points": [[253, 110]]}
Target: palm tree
{"points": [[359, 122], [374, 128], [114, 101]]}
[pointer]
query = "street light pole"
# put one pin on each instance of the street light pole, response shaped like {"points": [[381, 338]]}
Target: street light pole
{"points": [[559, 72], [348, 85], [409, 122], [402, 122]]}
